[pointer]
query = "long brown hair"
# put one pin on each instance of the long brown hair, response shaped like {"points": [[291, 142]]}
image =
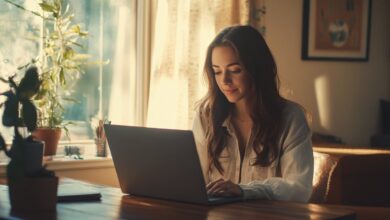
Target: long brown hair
{"points": [[266, 105]]}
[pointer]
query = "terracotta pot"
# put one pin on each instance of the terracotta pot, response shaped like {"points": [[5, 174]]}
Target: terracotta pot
{"points": [[50, 136], [33, 194]]}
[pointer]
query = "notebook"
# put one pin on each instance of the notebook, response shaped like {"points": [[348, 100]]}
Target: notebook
{"points": [[74, 192], [159, 163]]}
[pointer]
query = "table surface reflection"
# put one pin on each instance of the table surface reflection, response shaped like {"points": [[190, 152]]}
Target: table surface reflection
{"points": [[115, 205]]}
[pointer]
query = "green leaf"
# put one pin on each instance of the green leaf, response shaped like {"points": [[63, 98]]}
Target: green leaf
{"points": [[70, 99], [23, 8], [3, 80], [52, 78], [66, 132], [62, 77], [29, 114], [57, 4], [46, 7], [29, 85], [11, 113], [75, 43], [69, 53], [83, 33], [75, 28], [11, 82], [81, 56]]}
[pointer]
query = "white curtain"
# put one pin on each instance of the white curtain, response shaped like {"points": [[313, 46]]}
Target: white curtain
{"points": [[122, 98], [130, 85], [183, 30]]}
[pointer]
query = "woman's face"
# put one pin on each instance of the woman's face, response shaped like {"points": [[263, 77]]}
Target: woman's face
{"points": [[232, 79]]}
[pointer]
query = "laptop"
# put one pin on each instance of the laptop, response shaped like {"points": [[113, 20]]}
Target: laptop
{"points": [[159, 163]]}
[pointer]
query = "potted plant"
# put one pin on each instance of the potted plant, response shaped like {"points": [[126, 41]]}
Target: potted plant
{"points": [[31, 186], [61, 67]]}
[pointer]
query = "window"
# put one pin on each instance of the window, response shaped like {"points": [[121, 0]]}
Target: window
{"points": [[110, 43]]}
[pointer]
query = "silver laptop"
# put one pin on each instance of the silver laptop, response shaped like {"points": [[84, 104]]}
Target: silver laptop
{"points": [[159, 163]]}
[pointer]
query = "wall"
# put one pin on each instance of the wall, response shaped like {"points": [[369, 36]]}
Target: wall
{"points": [[348, 92], [102, 176]]}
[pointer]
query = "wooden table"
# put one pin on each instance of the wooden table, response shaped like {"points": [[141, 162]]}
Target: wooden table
{"points": [[115, 205]]}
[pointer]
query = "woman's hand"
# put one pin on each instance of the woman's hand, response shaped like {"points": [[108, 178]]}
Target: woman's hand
{"points": [[223, 187]]}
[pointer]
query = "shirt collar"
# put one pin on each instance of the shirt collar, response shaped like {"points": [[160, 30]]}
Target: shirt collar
{"points": [[228, 125]]}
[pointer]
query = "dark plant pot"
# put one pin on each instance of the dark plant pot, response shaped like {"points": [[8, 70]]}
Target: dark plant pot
{"points": [[50, 136], [33, 156], [33, 194]]}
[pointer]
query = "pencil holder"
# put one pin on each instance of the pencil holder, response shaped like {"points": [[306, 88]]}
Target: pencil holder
{"points": [[101, 147]]}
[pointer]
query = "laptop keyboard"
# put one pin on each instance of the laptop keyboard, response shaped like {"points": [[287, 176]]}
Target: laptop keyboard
{"points": [[214, 198]]}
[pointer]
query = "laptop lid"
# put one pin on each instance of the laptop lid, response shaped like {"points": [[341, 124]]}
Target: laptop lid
{"points": [[158, 163]]}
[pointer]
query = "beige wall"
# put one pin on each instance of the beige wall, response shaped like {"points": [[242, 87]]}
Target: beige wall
{"points": [[102, 176], [348, 92]]}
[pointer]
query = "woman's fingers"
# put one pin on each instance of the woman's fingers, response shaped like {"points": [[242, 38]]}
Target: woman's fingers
{"points": [[214, 186], [223, 188], [211, 184]]}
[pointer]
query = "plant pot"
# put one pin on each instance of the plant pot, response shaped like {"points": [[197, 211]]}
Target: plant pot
{"points": [[33, 156], [33, 194], [26, 157], [50, 136]]}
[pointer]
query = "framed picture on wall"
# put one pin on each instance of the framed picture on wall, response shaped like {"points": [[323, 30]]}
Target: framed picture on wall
{"points": [[336, 30]]}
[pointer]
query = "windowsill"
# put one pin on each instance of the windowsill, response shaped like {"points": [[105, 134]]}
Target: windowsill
{"points": [[66, 163], [88, 162], [68, 166]]}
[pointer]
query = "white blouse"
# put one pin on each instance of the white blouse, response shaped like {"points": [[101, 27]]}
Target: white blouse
{"points": [[289, 177]]}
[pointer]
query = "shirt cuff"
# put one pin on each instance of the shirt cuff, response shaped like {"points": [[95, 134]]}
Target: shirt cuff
{"points": [[256, 191]]}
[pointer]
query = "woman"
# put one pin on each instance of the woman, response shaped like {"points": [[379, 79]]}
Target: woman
{"points": [[251, 142]]}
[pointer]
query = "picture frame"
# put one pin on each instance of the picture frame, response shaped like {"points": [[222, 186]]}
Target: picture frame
{"points": [[336, 30]]}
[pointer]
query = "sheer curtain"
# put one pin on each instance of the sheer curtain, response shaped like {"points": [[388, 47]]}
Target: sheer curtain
{"points": [[130, 75], [121, 100], [183, 30]]}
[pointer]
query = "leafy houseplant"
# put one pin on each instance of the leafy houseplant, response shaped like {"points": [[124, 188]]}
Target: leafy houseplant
{"points": [[61, 63], [61, 66], [31, 186]]}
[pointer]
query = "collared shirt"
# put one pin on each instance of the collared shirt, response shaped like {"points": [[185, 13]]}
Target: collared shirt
{"points": [[289, 177]]}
